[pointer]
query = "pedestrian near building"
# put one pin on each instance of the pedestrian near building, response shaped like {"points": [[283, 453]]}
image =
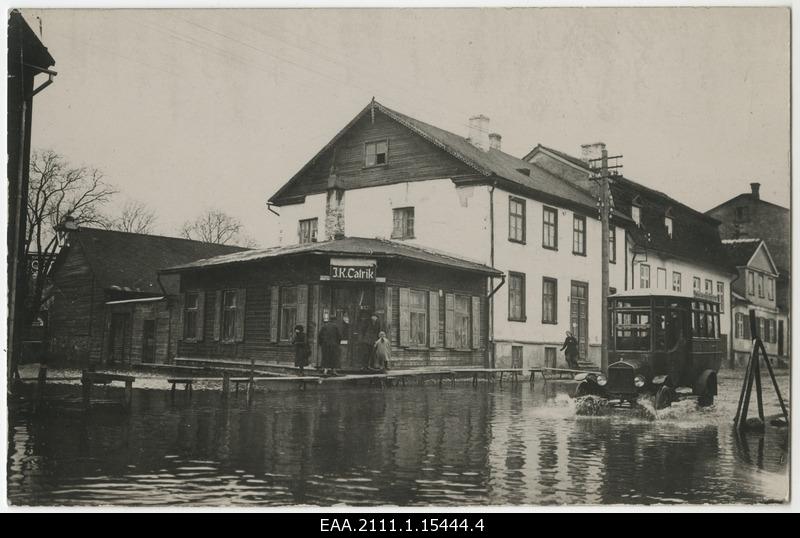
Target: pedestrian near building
{"points": [[329, 340], [570, 349], [301, 348], [382, 352], [369, 334]]}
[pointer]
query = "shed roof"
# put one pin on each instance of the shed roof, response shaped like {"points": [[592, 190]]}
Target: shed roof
{"points": [[348, 246]]}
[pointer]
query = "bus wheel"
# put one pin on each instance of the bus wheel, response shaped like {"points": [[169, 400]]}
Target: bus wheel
{"points": [[705, 400], [664, 397]]}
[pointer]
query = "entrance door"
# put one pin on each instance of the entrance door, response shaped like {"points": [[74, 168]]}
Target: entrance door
{"points": [[118, 337], [353, 306], [149, 341], [579, 315], [780, 337]]}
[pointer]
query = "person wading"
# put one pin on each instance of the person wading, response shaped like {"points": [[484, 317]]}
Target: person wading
{"points": [[301, 348], [329, 339], [570, 349]]}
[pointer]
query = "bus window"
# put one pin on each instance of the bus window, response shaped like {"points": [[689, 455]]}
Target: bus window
{"points": [[674, 330], [660, 330], [633, 331]]}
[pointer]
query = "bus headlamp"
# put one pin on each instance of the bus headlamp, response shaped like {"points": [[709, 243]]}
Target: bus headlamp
{"points": [[601, 380], [639, 381]]}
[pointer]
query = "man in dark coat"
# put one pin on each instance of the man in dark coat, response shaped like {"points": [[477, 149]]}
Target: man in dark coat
{"points": [[329, 338], [369, 335], [571, 352]]}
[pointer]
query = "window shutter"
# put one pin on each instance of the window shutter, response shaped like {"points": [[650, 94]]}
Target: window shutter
{"points": [[201, 309], [476, 322], [217, 315], [273, 313], [241, 304], [181, 307], [449, 320], [302, 306], [433, 318], [405, 317]]}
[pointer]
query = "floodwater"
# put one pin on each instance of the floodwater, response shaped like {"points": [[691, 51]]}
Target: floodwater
{"points": [[412, 445]]}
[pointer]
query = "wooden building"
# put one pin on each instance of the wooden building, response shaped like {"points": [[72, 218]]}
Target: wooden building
{"points": [[108, 303], [245, 305]]}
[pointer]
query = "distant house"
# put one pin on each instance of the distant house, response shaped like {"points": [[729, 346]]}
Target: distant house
{"points": [[747, 216], [755, 289], [669, 245], [108, 303]]}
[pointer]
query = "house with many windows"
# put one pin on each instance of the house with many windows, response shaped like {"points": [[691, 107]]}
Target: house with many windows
{"points": [[668, 245], [755, 288], [394, 178]]}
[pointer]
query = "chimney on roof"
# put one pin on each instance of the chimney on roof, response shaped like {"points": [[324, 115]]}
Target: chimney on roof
{"points": [[479, 132], [592, 151], [495, 140], [754, 190]]}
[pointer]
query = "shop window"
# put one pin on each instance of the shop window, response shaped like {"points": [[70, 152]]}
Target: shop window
{"points": [[418, 314], [579, 235], [308, 231], [288, 315], [549, 301], [462, 322], [676, 281], [376, 153], [403, 223], [644, 276], [550, 228], [516, 219], [516, 297]]}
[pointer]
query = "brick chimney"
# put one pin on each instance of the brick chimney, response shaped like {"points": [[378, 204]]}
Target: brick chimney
{"points": [[495, 140], [479, 132], [754, 190], [592, 151]]}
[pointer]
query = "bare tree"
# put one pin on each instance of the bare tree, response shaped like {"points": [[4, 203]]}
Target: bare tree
{"points": [[56, 190], [214, 226], [135, 217]]}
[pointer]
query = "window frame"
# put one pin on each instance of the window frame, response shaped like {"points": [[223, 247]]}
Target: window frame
{"points": [[637, 219], [196, 310], [697, 282], [375, 143], [553, 226], [313, 230], [760, 285], [721, 295], [282, 307], [554, 301], [668, 226], [660, 271], [770, 288], [459, 316], [226, 312], [612, 244], [407, 232], [520, 202], [641, 276], [680, 283], [414, 311], [751, 282], [581, 233], [521, 276], [708, 286]]}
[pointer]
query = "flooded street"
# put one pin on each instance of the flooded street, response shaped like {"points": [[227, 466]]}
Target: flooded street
{"points": [[413, 445]]}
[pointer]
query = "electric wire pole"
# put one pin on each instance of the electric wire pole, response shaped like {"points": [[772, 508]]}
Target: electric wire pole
{"points": [[605, 203]]}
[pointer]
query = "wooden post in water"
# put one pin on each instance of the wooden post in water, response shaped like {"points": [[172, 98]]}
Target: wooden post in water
{"points": [[128, 395], [226, 385], [86, 385], [40, 388], [251, 389]]}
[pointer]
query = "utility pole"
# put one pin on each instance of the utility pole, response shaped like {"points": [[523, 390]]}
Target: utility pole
{"points": [[602, 175]]}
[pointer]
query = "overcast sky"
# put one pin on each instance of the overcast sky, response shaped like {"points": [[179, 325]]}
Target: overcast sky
{"points": [[188, 110]]}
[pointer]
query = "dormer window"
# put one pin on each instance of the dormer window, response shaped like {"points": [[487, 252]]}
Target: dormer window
{"points": [[376, 153], [636, 215], [668, 226]]}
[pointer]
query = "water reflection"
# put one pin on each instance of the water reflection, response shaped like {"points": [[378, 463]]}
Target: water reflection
{"points": [[400, 446]]}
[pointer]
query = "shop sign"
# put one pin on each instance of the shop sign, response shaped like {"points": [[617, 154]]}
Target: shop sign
{"points": [[353, 270]]}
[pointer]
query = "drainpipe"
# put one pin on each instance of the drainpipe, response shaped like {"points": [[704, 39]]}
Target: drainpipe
{"points": [[493, 350]]}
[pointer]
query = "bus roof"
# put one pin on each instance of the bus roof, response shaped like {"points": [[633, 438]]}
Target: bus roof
{"points": [[665, 293]]}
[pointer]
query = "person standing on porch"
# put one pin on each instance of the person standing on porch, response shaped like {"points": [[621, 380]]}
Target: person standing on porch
{"points": [[571, 353], [301, 348], [382, 352], [329, 339], [370, 333]]}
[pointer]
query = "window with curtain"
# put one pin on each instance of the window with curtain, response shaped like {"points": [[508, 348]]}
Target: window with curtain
{"points": [[418, 314], [549, 293], [516, 297], [462, 321]]}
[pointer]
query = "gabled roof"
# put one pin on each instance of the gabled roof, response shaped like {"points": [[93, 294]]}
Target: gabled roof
{"points": [[742, 251], [576, 162], [130, 261], [750, 198], [348, 246], [490, 164]]}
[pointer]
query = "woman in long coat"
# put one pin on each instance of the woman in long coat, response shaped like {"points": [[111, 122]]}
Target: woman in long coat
{"points": [[571, 353], [329, 338], [301, 348]]}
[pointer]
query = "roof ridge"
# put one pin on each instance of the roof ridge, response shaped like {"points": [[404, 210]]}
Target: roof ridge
{"points": [[160, 236]]}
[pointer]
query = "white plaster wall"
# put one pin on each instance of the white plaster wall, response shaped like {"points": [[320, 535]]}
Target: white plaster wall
{"points": [[313, 207]]}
